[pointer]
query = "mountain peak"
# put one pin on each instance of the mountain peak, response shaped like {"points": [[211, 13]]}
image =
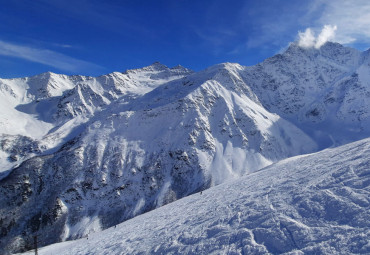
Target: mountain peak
{"points": [[45, 75], [332, 51], [157, 66], [331, 45], [180, 70], [178, 67], [328, 45], [328, 48]]}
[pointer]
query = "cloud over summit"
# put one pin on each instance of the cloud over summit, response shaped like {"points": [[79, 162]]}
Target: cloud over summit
{"points": [[307, 38], [351, 16]]}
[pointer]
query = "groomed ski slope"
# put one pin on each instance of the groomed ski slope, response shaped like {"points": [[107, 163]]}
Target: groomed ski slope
{"points": [[312, 204]]}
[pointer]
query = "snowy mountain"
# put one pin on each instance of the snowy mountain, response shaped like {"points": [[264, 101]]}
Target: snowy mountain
{"points": [[318, 90], [140, 153], [81, 154], [49, 109], [312, 204]]}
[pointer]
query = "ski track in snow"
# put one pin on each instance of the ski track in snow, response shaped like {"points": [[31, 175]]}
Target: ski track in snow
{"points": [[312, 204]]}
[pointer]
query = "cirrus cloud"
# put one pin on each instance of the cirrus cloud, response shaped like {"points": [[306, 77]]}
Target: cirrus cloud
{"points": [[352, 18], [46, 57]]}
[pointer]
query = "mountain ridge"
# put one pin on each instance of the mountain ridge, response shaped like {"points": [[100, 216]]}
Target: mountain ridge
{"points": [[121, 144]]}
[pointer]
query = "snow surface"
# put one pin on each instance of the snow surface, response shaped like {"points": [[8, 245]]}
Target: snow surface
{"points": [[312, 204]]}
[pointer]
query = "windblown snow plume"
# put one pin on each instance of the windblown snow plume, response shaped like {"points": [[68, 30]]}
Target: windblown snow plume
{"points": [[327, 34], [307, 39]]}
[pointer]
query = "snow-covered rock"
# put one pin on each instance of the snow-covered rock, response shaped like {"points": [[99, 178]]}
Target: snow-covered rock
{"points": [[49, 108], [312, 204], [325, 91]]}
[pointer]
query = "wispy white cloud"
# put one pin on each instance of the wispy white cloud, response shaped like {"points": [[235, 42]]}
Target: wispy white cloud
{"points": [[46, 57], [273, 23], [62, 45], [327, 34], [352, 18], [107, 15], [307, 38]]}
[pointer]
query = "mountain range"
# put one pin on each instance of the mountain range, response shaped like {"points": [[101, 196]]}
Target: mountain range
{"points": [[81, 154]]}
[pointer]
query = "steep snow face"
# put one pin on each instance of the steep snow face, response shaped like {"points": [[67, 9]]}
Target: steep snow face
{"points": [[16, 92], [50, 108], [21, 117], [314, 204], [136, 155], [318, 90]]}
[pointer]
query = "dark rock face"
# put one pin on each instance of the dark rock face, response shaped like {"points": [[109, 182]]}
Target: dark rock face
{"points": [[45, 195]]}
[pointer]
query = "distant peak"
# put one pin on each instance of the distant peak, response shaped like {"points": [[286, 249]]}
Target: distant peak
{"points": [[48, 73], [328, 44], [45, 75], [178, 67], [181, 69], [295, 48], [155, 67], [158, 66], [332, 45]]}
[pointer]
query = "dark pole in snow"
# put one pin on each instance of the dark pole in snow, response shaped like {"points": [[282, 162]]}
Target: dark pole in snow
{"points": [[35, 243]]}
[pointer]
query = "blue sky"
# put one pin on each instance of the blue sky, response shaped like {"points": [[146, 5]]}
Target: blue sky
{"points": [[92, 37]]}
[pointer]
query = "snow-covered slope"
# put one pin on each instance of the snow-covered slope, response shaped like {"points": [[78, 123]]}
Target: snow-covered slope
{"points": [[313, 204]]}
